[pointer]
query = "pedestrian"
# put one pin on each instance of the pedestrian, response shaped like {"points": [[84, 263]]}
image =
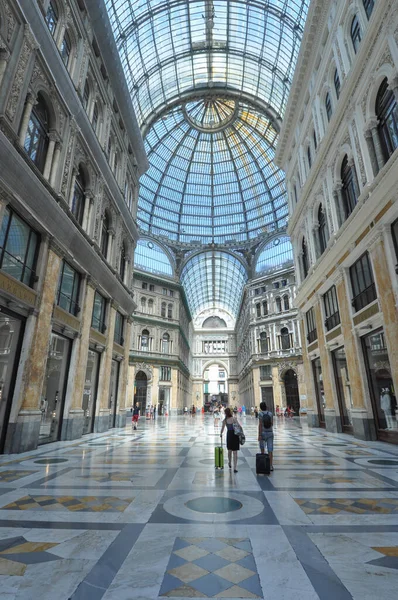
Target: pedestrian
{"points": [[256, 412], [151, 412], [136, 415], [216, 417], [266, 432], [154, 411], [232, 439]]}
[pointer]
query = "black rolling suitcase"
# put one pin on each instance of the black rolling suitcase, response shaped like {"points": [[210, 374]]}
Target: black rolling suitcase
{"points": [[263, 465]]}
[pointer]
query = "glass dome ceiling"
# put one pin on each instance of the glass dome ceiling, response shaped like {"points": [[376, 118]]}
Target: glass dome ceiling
{"points": [[209, 82]]}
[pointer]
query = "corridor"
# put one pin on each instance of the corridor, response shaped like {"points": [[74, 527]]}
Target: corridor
{"points": [[140, 515]]}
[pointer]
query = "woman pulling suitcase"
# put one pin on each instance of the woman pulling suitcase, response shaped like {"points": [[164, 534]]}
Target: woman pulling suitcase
{"points": [[232, 439]]}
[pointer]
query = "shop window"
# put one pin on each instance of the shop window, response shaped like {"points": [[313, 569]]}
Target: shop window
{"points": [[265, 372], [278, 303], [119, 329], [263, 343], [68, 289], [258, 309], [166, 343], [170, 311], [265, 308], [65, 49], [368, 6], [285, 339], [328, 106], [105, 234], [79, 197], [144, 340], [99, 312], [363, 285], [19, 244], [304, 258], [331, 308], [312, 333], [165, 374], [52, 17], [163, 310], [336, 80], [356, 34], [286, 303], [322, 230], [387, 116], [349, 186], [36, 140]]}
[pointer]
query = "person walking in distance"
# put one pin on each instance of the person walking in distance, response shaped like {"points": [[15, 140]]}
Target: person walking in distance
{"points": [[266, 432], [232, 439], [216, 416], [136, 415]]}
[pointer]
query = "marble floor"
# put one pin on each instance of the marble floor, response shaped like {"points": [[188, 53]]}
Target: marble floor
{"points": [[129, 515]]}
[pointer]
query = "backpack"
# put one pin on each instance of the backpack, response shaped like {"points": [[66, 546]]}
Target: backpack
{"points": [[267, 421]]}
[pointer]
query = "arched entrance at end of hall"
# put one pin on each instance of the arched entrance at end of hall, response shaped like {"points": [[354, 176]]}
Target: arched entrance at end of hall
{"points": [[292, 391], [215, 384], [141, 390]]}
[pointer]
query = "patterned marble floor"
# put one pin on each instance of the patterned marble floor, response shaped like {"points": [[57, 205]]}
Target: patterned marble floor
{"points": [[143, 515]]}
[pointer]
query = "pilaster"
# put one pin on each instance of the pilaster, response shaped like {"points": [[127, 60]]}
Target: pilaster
{"points": [[101, 422]]}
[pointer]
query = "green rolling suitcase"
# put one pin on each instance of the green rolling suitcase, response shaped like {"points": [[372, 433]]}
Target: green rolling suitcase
{"points": [[219, 457]]}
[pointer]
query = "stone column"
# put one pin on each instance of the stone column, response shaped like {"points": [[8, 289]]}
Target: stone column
{"points": [[23, 434], [373, 126], [55, 164], [339, 200], [371, 150], [315, 235], [332, 419], [89, 200], [27, 111], [50, 154], [102, 417], [363, 426], [72, 426], [111, 241], [4, 57]]}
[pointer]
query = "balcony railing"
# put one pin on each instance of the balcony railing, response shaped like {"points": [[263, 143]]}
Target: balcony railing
{"points": [[332, 321], [365, 297]]}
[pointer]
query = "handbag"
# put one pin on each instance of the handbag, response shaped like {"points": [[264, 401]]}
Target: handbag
{"points": [[239, 432]]}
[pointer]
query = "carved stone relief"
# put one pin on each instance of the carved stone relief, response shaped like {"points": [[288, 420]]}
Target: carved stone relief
{"points": [[359, 153], [17, 85]]}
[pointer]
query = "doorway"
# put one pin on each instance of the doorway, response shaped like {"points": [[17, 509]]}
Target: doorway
{"points": [[319, 390], [90, 390], [292, 391], [140, 391], [11, 334], [267, 396], [113, 395], [343, 388]]}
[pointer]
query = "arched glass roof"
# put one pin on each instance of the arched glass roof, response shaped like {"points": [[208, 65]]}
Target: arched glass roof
{"points": [[149, 256], [277, 253], [214, 279]]}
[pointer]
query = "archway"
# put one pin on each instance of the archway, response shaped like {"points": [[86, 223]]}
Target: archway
{"points": [[140, 390], [215, 385], [292, 392]]}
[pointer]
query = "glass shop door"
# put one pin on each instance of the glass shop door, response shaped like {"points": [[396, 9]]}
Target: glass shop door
{"points": [[319, 390], [343, 388], [113, 392], [90, 390]]}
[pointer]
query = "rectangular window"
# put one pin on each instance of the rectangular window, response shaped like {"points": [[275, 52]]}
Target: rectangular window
{"points": [[119, 329], [263, 289], [99, 311], [257, 292], [265, 372], [363, 285], [312, 333], [171, 293], [68, 289], [164, 292], [165, 373], [276, 285], [331, 309], [19, 244], [144, 285], [221, 374], [151, 287], [284, 282]]}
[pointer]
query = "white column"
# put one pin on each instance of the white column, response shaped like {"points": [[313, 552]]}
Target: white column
{"points": [[50, 155], [373, 126], [371, 151], [54, 167], [111, 241], [27, 111], [86, 213]]}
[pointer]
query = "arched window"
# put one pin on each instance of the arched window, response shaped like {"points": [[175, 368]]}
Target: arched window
{"points": [[263, 343], [95, 117], [170, 311], [322, 230], [265, 308], [65, 49], [105, 235], [86, 95], [79, 198], [295, 193], [150, 306], [163, 310], [143, 304], [336, 80], [144, 340], [166, 343], [286, 303], [328, 106], [258, 309], [314, 138], [304, 258], [356, 34], [309, 157], [285, 338], [36, 140], [368, 6], [52, 17], [278, 303], [349, 186], [123, 261], [387, 116]]}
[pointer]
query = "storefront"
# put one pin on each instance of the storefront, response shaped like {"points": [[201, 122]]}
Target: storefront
{"points": [[11, 334], [90, 390], [113, 392], [164, 401], [54, 388], [381, 386], [319, 390], [343, 388]]}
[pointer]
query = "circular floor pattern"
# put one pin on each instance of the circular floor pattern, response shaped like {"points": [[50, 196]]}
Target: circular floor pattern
{"points": [[209, 505], [383, 461], [50, 461], [240, 506]]}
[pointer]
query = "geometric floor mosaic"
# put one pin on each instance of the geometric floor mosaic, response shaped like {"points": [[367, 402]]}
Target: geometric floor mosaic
{"points": [[10, 476], [359, 506], [16, 553], [75, 504], [211, 568]]}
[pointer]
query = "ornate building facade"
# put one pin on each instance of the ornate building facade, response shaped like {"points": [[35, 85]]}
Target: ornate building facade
{"points": [[71, 154], [338, 146]]}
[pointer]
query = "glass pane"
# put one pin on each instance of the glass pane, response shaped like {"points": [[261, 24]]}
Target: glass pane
{"points": [[10, 328], [90, 390], [319, 389], [343, 386]]}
